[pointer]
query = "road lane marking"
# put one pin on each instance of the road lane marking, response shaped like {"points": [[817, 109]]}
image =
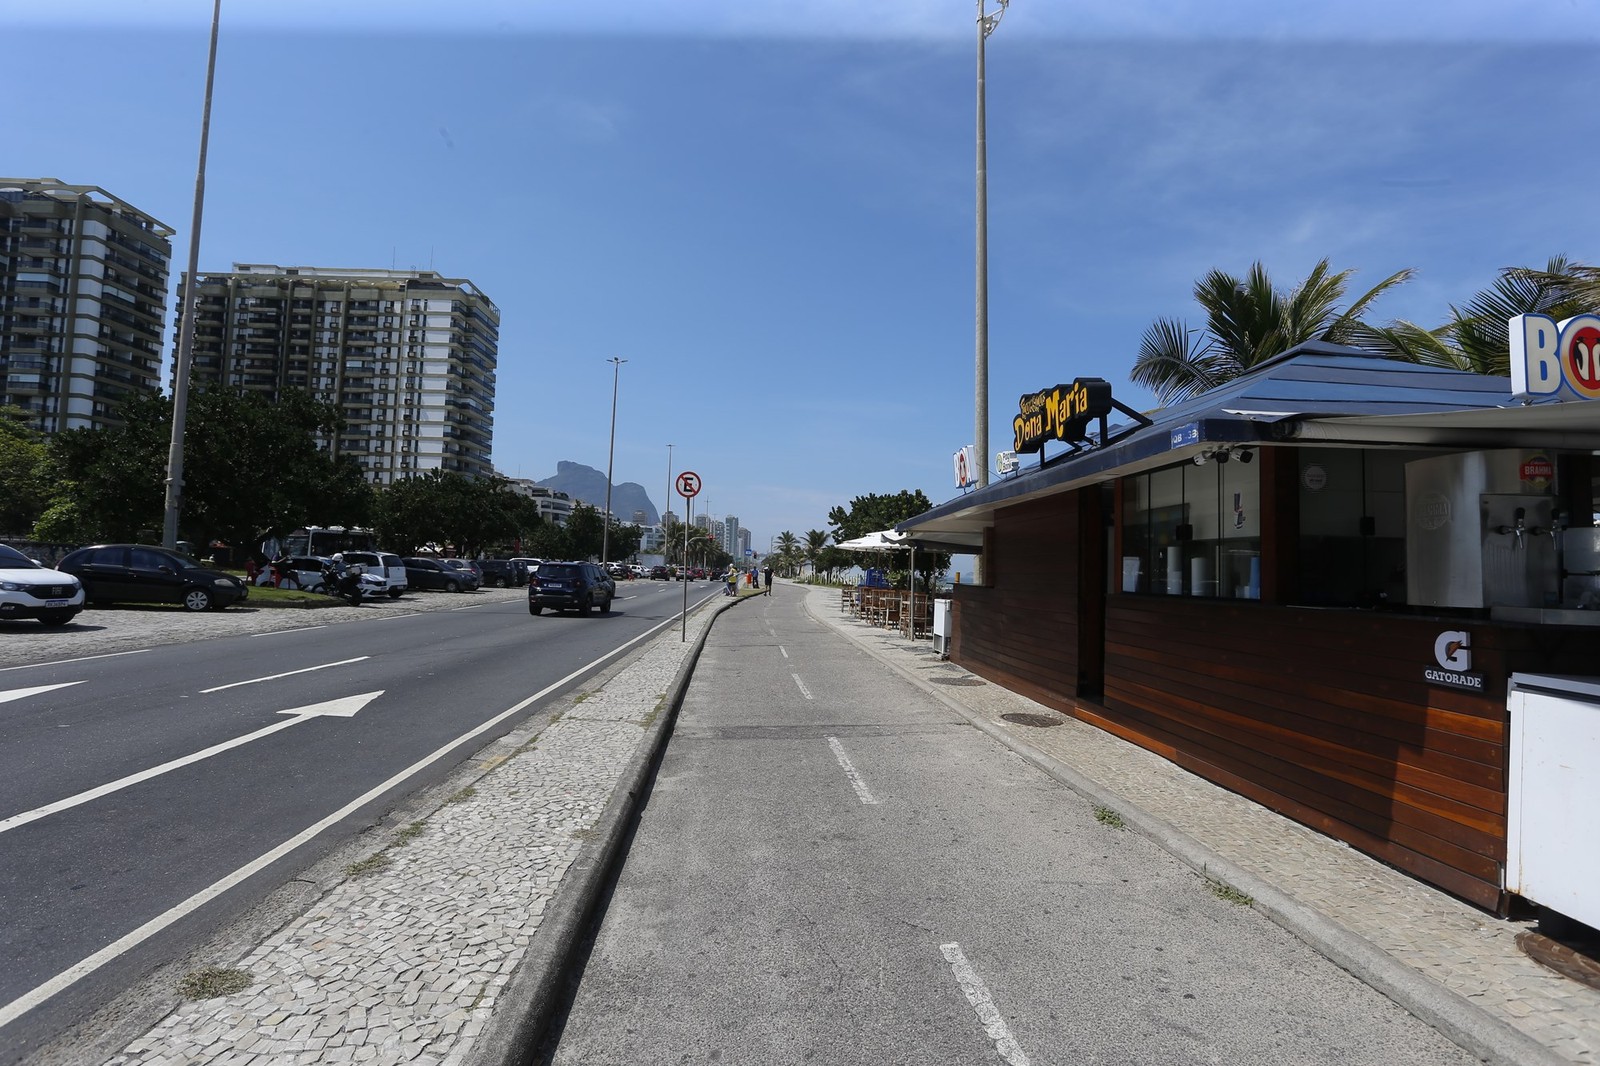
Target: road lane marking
{"points": [[21, 693], [10, 1012], [850, 771], [983, 1005], [302, 629], [340, 708], [290, 673], [803, 690], [784, 650], [469, 606], [63, 662]]}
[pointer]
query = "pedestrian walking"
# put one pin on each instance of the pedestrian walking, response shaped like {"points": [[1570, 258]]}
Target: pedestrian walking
{"points": [[766, 577], [732, 579]]}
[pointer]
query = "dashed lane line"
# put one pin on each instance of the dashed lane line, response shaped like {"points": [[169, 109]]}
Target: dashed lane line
{"points": [[983, 1005], [287, 673], [862, 792], [83, 659]]}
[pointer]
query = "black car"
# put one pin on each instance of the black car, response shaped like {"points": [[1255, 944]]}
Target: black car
{"points": [[143, 573], [435, 574], [505, 573], [570, 587]]}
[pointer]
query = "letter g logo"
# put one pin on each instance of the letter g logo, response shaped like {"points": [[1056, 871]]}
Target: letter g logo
{"points": [[1450, 648]]}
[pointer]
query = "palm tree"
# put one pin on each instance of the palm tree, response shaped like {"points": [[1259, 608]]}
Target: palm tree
{"points": [[1247, 323], [1476, 337], [788, 553], [816, 540]]}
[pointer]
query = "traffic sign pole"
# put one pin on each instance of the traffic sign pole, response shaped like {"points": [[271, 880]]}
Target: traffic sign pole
{"points": [[688, 488]]}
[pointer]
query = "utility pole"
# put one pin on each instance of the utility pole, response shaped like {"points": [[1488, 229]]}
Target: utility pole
{"points": [[986, 25], [605, 534]]}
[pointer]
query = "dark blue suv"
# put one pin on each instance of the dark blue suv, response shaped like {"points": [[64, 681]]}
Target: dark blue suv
{"points": [[570, 587]]}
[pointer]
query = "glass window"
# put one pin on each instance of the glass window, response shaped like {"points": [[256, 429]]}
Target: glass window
{"points": [[147, 559], [1193, 530], [1352, 526]]}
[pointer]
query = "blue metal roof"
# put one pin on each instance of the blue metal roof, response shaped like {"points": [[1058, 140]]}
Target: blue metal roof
{"points": [[1311, 380]]}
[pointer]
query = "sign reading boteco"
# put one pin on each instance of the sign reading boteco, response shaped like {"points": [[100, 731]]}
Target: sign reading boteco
{"points": [[1062, 413]]}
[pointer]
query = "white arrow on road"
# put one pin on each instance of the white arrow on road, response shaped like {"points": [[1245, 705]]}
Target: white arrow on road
{"points": [[20, 693], [340, 708]]}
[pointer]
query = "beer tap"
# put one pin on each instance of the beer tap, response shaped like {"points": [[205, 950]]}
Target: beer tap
{"points": [[1517, 530]]}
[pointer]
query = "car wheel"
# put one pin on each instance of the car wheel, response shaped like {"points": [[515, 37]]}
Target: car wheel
{"points": [[534, 608], [452, 586], [197, 600], [606, 607], [394, 594], [588, 605], [56, 618]]}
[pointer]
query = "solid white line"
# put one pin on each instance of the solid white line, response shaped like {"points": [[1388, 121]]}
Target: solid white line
{"points": [[63, 662], [803, 690], [302, 629], [23, 693], [850, 771], [469, 606], [784, 650], [84, 967], [291, 673], [983, 1006]]}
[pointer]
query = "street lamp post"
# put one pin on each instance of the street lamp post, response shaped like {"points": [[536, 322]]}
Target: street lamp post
{"points": [[986, 24], [668, 497], [191, 297], [605, 535]]}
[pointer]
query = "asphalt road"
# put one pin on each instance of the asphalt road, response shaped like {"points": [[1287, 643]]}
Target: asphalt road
{"points": [[835, 868], [149, 796]]}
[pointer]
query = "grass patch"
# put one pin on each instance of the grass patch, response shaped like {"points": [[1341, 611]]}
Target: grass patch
{"points": [[370, 865], [581, 697], [267, 596], [1227, 893], [1109, 818], [407, 835], [211, 982], [464, 795]]}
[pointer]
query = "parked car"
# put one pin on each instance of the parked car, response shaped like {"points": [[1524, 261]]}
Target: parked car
{"points": [[386, 565], [570, 587], [503, 573], [29, 590], [424, 573], [143, 573], [472, 576], [295, 572]]}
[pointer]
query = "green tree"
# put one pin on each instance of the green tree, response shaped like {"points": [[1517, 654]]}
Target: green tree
{"points": [[1475, 337], [449, 509], [874, 513], [23, 497], [816, 542], [584, 532], [1248, 321]]}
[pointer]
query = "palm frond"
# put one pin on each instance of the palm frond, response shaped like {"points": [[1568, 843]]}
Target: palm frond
{"points": [[1171, 361]]}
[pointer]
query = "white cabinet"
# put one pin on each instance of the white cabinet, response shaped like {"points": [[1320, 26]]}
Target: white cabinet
{"points": [[1553, 795]]}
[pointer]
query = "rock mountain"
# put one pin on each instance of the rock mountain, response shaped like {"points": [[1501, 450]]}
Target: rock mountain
{"points": [[589, 485]]}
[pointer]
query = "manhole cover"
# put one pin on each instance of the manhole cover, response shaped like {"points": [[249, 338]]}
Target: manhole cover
{"points": [[1576, 961], [1039, 721], [966, 681]]}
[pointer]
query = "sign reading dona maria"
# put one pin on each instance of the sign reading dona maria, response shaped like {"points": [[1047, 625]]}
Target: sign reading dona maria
{"points": [[1062, 413]]}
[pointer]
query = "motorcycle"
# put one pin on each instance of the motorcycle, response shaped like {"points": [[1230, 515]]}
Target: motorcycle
{"points": [[350, 582]]}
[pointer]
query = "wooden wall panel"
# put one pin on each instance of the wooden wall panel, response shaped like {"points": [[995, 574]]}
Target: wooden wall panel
{"points": [[1326, 717]]}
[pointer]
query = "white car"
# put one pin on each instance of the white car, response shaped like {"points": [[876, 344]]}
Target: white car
{"points": [[29, 590], [390, 568]]}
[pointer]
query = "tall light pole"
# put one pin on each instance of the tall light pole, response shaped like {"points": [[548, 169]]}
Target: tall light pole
{"points": [[986, 24], [668, 497], [191, 297], [605, 535]]}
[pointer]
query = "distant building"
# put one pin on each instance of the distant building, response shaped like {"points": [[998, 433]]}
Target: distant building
{"points": [[652, 539], [640, 518], [409, 357], [83, 291], [744, 542], [702, 522], [669, 518], [554, 506], [730, 536]]}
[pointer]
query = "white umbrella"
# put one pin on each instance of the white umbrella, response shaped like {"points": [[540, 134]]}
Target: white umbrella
{"points": [[882, 540]]}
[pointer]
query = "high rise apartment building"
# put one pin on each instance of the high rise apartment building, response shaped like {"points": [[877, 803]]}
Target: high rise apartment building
{"points": [[408, 356], [83, 290], [730, 536]]}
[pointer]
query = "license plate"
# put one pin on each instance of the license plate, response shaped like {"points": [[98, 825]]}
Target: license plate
{"points": [[57, 603]]}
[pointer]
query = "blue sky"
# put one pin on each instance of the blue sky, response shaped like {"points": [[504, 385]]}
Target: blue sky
{"points": [[767, 209]]}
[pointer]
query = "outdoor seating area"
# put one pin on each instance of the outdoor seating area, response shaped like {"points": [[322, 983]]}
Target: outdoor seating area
{"points": [[889, 608]]}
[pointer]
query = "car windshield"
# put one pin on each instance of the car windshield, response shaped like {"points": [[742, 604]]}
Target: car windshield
{"points": [[11, 559]]}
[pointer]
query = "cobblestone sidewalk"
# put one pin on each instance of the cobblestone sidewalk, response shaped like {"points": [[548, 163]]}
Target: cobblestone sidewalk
{"points": [[1467, 952], [405, 960]]}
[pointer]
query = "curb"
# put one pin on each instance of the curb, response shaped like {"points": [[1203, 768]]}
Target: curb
{"points": [[1458, 1018], [527, 1003]]}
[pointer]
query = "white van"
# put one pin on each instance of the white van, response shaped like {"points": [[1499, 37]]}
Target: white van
{"points": [[391, 568]]}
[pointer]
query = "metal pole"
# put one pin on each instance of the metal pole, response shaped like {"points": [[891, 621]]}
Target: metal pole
{"points": [[688, 509], [668, 497], [180, 384], [986, 25], [605, 535]]}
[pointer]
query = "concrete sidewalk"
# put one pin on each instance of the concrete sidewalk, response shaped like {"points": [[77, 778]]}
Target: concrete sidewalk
{"points": [[1456, 967]]}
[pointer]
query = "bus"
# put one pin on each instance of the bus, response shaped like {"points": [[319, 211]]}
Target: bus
{"points": [[326, 541]]}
